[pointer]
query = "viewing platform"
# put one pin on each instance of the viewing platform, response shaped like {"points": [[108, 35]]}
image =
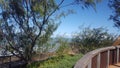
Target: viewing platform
{"points": [[108, 57]]}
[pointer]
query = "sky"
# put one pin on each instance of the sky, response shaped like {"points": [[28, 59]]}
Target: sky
{"points": [[86, 17]]}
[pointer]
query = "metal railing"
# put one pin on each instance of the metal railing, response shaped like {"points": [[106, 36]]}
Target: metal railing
{"points": [[100, 58]]}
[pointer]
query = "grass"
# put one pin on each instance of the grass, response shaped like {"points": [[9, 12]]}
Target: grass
{"points": [[64, 61]]}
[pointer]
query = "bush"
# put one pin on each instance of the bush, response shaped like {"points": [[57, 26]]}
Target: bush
{"points": [[64, 47], [89, 39], [64, 61]]}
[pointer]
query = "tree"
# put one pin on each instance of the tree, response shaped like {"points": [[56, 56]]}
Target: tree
{"points": [[115, 6], [89, 39], [87, 3], [24, 22]]}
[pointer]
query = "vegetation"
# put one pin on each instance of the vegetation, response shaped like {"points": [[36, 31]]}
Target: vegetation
{"points": [[65, 61], [115, 6], [25, 22], [64, 47], [61, 58], [89, 39]]}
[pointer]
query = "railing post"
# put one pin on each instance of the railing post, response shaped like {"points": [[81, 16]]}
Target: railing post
{"points": [[9, 61], [117, 55], [98, 61], [113, 54], [108, 58], [2, 60], [90, 64]]}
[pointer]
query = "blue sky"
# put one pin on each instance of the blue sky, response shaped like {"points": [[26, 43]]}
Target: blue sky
{"points": [[86, 17]]}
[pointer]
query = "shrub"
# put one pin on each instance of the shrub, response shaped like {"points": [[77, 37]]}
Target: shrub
{"points": [[64, 47], [64, 61], [89, 39]]}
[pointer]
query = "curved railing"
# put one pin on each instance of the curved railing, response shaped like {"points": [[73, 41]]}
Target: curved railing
{"points": [[100, 58]]}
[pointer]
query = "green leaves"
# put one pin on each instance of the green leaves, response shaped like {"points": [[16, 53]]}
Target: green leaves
{"points": [[26, 24], [89, 39], [87, 3], [115, 6], [46, 6], [38, 7]]}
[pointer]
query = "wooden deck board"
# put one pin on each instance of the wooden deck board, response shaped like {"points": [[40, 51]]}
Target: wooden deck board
{"points": [[115, 66]]}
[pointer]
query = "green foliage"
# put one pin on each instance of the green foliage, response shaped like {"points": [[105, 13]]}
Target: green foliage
{"points": [[87, 3], [63, 46], [65, 61], [45, 40], [25, 22], [29, 23], [89, 39], [115, 6]]}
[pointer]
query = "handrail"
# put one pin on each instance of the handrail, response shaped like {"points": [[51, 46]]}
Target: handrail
{"points": [[11, 61], [7, 59], [6, 56], [97, 58]]}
